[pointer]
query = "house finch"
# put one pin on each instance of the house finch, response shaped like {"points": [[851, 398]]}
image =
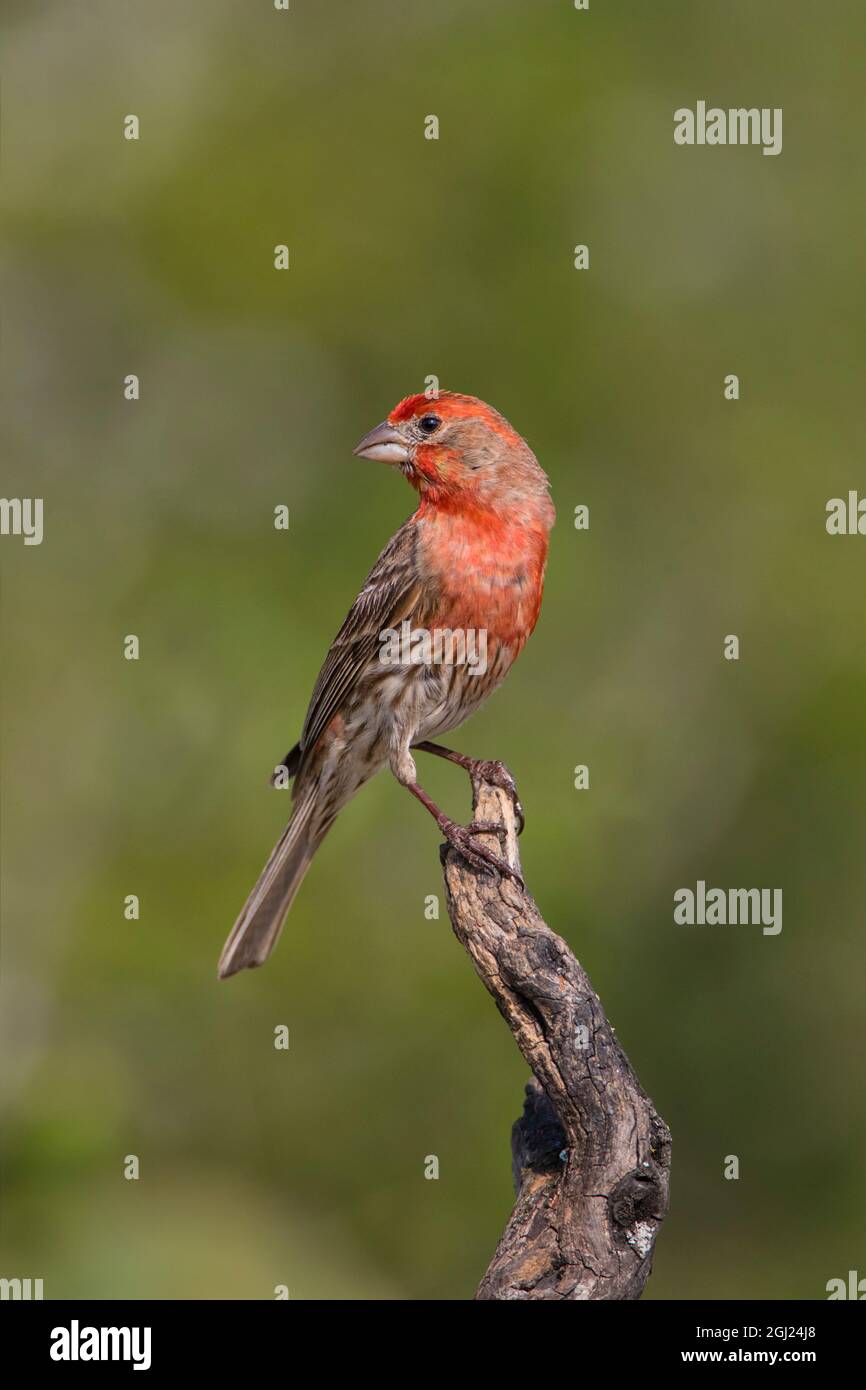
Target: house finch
{"points": [[468, 564]]}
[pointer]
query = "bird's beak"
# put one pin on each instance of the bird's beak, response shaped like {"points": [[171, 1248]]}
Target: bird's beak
{"points": [[385, 444]]}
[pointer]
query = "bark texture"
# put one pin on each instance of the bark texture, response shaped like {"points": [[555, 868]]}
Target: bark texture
{"points": [[590, 1155]]}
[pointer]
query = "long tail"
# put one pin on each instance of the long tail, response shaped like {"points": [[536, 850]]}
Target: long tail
{"points": [[255, 933]]}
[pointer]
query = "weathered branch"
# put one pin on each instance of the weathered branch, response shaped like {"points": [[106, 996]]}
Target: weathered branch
{"points": [[591, 1158]]}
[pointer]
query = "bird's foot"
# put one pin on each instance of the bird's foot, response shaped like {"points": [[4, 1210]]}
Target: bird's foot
{"points": [[497, 774], [460, 837]]}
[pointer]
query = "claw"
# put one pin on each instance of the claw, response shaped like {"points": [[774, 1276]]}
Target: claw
{"points": [[497, 774], [460, 838], [487, 827], [481, 770]]}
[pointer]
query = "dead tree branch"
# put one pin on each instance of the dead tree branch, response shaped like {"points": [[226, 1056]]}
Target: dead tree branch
{"points": [[591, 1157]]}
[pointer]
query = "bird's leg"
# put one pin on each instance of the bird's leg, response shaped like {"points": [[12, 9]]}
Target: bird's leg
{"points": [[481, 770], [460, 836]]}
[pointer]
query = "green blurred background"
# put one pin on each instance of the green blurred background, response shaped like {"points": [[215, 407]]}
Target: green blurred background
{"points": [[411, 257]]}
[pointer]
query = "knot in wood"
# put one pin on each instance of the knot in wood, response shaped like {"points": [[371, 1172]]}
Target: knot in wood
{"points": [[636, 1197]]}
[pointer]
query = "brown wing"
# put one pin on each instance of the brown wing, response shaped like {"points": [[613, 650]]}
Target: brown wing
{"points": [[391, 592]]}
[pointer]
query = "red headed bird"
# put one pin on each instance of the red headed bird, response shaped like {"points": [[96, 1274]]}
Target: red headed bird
{"points": [[455, 593]]}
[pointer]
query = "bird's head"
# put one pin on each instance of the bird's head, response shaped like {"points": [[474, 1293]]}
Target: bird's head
{"points": [[457, 451]]}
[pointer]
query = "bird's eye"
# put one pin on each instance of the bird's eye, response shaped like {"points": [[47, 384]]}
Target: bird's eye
{"points": [[428, 423]]}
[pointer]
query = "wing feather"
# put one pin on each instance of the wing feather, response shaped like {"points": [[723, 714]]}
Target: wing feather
{"points": [[391, 592]]}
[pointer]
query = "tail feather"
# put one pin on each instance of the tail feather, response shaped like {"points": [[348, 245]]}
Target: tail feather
{"points": [[255, 933]]}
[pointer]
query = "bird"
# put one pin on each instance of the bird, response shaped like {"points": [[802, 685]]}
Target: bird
{"points": [[470, 561]]}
